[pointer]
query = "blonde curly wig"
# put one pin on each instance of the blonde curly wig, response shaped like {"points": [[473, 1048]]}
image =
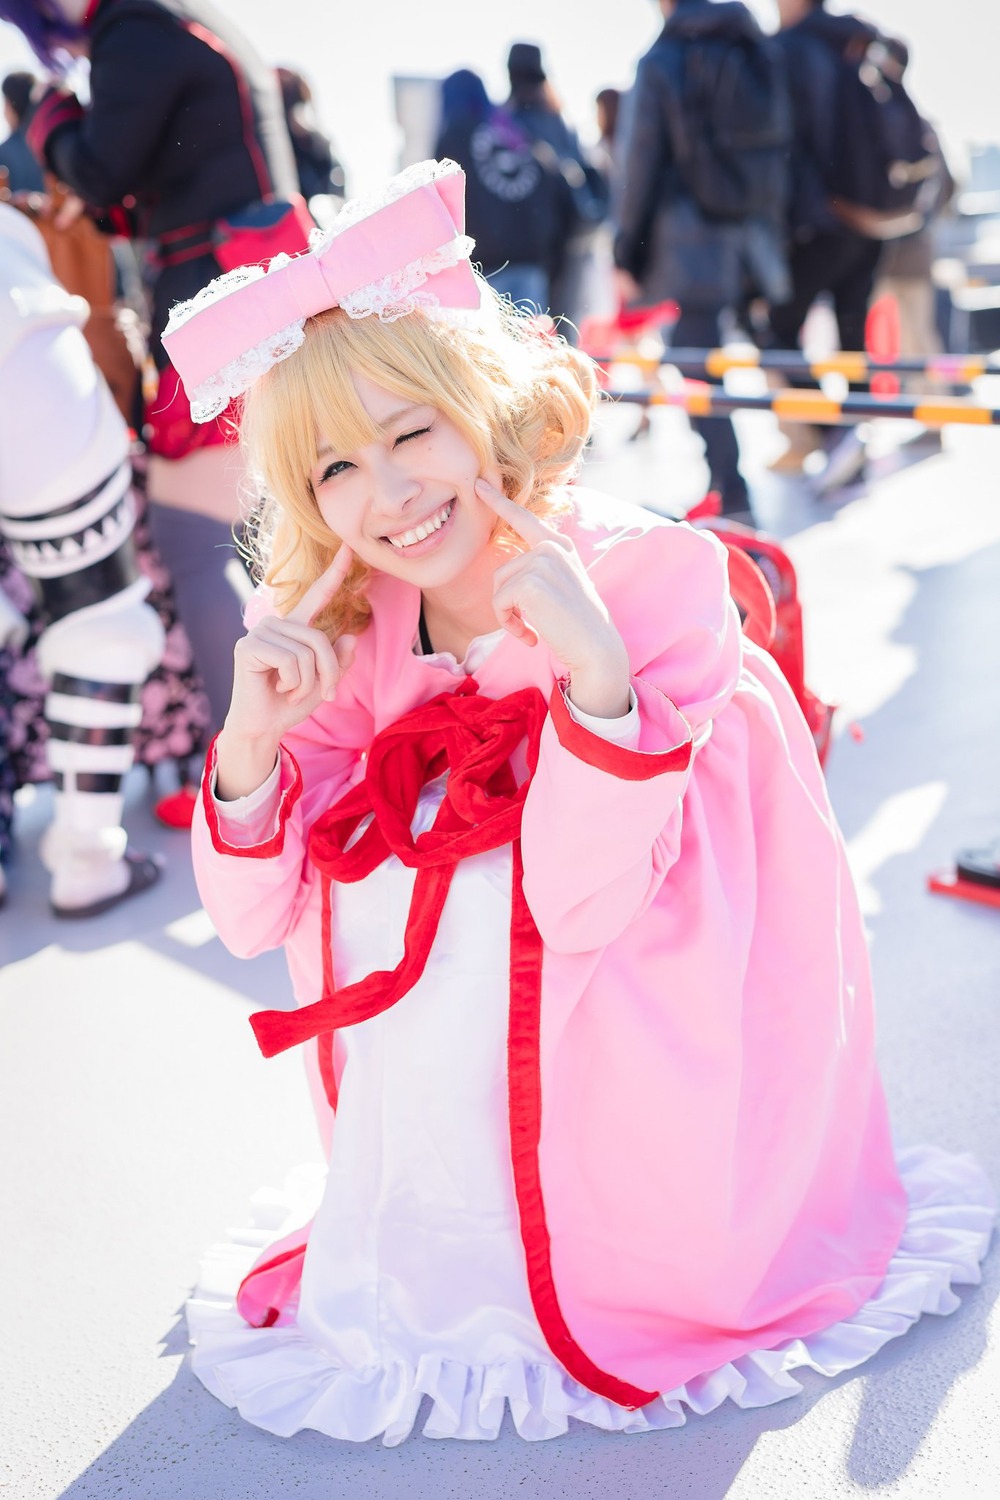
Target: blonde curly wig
{"points": [[523, 400]]}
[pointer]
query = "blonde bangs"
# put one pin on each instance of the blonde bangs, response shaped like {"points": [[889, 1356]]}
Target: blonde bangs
{"points": [[523, 402]]}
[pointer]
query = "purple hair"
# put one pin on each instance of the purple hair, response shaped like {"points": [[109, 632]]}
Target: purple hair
{"points": [[44, 28]]}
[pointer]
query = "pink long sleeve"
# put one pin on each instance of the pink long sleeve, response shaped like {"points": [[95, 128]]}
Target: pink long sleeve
{"points": [[602, 822], [256, 893]]}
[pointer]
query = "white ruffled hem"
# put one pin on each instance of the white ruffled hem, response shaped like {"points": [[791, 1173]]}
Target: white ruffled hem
{"points": [[282, 1382]]}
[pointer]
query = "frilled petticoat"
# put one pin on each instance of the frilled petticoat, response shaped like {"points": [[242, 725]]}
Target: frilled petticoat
{"points": [[414, 1282]]}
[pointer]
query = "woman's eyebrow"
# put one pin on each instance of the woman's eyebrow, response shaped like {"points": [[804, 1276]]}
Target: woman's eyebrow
{"points": [[325, 449], [402, 411]]}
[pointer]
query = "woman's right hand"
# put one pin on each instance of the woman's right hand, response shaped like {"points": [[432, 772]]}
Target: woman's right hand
{"points": [[284, 668]]}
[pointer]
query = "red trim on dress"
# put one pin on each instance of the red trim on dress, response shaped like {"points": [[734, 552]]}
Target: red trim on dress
{"points": [[265, 1316], [276, 842], [327, 1072], [525, 1103], [325, 1041], [603, 755]]}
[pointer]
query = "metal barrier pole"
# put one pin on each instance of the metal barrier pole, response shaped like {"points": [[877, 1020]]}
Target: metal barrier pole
{"points": [[852, 365], [814, 406]]}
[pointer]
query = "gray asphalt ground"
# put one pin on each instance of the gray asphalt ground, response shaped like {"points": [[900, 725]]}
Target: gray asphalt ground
{"points": [[137, 1117]]}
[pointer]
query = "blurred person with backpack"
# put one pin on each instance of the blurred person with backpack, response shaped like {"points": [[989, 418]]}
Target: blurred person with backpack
{"points": [[183, 145], [518, 205], [866, 169], [535, 109], [703, 187], [905, 273], [24, 175]]}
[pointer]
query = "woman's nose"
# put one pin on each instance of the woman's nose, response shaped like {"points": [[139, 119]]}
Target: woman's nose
{"points": [[395, 485]]}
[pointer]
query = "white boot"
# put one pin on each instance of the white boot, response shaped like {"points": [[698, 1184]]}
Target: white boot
{"points": [[84, 850]]}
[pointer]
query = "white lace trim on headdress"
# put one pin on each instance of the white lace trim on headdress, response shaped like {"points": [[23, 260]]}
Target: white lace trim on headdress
{"points": [[389, 298]]}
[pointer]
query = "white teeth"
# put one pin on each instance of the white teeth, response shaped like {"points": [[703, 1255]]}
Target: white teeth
{"points": [[407, 538]]}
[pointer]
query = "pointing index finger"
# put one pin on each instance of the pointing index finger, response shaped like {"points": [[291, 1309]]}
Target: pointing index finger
{"points": [[529, 527], [321, 591]]}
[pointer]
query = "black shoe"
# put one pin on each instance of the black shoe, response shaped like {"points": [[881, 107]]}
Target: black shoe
{"points": [[980, 866], [144, 871]]}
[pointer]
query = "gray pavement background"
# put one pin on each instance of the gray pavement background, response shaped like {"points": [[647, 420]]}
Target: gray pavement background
{"points": [[138, 1118]]}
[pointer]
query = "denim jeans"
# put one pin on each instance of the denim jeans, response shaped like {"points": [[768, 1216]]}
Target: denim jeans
{"points": [[526, 286]]}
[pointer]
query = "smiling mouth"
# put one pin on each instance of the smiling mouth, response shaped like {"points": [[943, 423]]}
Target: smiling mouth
{"points": [[420, 533]]}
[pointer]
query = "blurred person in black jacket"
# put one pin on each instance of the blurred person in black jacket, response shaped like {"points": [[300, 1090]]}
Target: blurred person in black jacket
{"points": [[695, 221], [535, 109], [828, 251], [518, 205]]}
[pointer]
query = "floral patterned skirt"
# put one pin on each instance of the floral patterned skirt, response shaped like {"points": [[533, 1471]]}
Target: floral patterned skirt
{"points": [[174, 708]]}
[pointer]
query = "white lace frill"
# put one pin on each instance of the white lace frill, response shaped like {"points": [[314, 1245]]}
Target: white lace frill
{"points": [[391, 297], [282, 1382]]}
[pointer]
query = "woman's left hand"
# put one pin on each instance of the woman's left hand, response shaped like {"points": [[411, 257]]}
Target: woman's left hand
{"points": [[545, 594]]}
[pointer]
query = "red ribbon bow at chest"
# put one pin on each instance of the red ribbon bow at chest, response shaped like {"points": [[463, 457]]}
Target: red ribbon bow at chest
{"points": [[471, 738]]}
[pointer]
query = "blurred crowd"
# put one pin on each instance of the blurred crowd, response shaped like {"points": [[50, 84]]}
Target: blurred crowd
{"points": [[741, 178]]}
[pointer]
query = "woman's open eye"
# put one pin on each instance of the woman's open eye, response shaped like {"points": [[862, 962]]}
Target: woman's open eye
{"points": [[332, 470], [406, 436]]}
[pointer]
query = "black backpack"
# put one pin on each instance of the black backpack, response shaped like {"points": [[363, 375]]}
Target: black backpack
{"points": [[730, 125], [886, 171]]}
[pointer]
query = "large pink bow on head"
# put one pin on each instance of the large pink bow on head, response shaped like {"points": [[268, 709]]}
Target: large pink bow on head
{"points": [[407, 249]]}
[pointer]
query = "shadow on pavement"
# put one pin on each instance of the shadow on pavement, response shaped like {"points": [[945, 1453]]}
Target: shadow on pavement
{"points": [[910, 1385], [163, 919], [187, 1444]]}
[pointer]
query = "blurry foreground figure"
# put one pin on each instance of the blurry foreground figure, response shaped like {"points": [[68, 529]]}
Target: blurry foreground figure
{"points": [[67, 512], [183, 145]]}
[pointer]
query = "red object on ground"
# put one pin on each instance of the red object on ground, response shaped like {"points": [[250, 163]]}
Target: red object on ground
{"points": [[948, 883], [882, 341], [176, 809]]}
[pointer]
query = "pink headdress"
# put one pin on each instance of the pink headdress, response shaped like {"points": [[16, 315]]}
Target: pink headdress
{"points": [[385, 254]]}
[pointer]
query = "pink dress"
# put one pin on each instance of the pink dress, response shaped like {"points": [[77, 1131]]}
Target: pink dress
{"points": [[668, 1183]]}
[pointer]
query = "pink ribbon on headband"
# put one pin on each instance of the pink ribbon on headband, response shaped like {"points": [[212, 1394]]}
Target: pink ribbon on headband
{"points": [[205, 337]]}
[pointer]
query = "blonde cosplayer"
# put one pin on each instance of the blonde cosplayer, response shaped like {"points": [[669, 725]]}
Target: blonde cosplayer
{"points": [[523, 400]]}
